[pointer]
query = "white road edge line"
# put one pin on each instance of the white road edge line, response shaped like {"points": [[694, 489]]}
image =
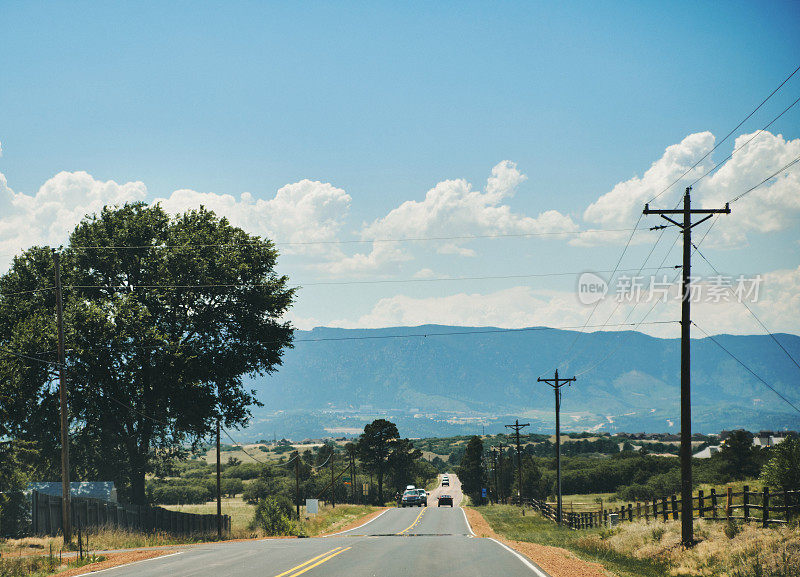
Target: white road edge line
{"points": [[134, 562], [533, 567], [471, 532], [359, 527]]}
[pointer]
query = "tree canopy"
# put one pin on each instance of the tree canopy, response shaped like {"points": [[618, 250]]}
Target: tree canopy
{"points": [[163, 318], [471, 472], [375, 446]]}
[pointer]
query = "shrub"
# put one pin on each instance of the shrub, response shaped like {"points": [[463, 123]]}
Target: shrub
{"points": [[181, 494], [243, 471], [732, 528], [273, 515], [783, 468], [231, 487]]}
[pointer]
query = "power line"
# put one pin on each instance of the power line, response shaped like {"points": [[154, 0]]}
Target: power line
{"points": [[735, 150], [758, 320], [241, 447], [748, 369], [24, 356], [350, 241], [727, 135], [773, 175], [611, 278]]}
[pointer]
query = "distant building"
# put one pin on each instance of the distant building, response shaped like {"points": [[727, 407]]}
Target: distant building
{"points": [[104, 490], [767, 441], [707, 452]]}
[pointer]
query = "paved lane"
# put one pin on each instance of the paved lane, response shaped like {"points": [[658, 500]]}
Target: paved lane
{"points": [[411, 542]]}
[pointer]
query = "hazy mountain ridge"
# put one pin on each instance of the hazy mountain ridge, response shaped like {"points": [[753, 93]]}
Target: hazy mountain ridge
{"points": [[349, 374]]}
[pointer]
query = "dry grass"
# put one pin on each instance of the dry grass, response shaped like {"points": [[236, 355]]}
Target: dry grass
{"points": [[750, 551], [241, 513], [333, 519]]}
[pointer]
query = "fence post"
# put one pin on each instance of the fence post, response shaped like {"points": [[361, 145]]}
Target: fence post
{"points": [[714, 503], [746, 503], [765, 505], [674, 507], [700, 504], [630, 512], [638, 510], [729, 503]]}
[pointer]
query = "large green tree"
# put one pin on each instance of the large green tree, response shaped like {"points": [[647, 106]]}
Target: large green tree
{"points": [[471, 471], [783, 468], [374, 447], [163, 319]]}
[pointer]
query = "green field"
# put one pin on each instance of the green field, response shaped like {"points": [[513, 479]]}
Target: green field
{"points": [[507, 521]]}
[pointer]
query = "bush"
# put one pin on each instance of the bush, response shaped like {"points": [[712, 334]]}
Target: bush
{"points": [[181, 494], [231, 487], [783, 468], [273, 515], [243, 471]]}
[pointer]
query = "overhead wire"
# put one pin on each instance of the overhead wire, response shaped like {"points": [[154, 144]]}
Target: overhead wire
{"points": [[717, 145], [738, 148], [748, 369], [752, 312], [348, 241]]}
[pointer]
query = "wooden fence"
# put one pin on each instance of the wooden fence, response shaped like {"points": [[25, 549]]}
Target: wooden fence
{"points": [[763, 506], [46, 517]]}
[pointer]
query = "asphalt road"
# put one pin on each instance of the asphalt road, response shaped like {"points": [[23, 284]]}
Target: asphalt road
{"points": [[410, 542]]}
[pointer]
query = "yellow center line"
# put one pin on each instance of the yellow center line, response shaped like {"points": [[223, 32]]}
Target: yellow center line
{"points": [[414, 523], [307, 562], [321, 561]]}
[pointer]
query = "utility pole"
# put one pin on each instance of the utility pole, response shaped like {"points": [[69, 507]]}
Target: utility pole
{"points": [[66, 517], [557, 383], [499, 474], [219, 489], [493, 457], [516, 426], [297, 482], [333, 488], [687, 527]]}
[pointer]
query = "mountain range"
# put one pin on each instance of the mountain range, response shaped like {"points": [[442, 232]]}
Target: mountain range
{"points": [[441, 380]]}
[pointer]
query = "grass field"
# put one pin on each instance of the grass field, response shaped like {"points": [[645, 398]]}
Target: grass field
{"points": [[653, 549], [508, 521], [328, 519]]}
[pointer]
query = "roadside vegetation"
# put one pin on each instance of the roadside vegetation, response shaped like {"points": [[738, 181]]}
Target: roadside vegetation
{"points": [[653, 549]]}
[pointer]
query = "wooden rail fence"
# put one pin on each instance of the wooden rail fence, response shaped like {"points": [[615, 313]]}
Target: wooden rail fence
{"points": [[46, 517], [762, 506]]}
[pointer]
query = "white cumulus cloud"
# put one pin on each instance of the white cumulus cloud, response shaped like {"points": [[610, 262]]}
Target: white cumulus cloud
{"points": [[302, 212], [453, 208], [49, 215]]}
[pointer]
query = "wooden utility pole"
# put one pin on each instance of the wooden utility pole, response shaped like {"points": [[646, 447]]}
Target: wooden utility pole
{"points": [[297, 482], [333, 486], [687, 528], [494, 470], [557, 383], [219, 488], [499, 473], [516, 426], [66, 517]]}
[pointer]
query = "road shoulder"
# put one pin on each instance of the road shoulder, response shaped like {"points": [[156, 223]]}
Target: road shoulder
{"points": [[355, 523], [114, 560], [556, 561]]}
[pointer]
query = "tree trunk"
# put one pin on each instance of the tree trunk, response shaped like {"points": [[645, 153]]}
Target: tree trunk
{"points": [[138, 495], [380, 486]]}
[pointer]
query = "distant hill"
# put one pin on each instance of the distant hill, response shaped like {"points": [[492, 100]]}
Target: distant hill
{"points": [[335, 380]]}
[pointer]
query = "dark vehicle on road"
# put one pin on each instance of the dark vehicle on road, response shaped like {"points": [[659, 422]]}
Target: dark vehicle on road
{"points": [[445, 482], [412, 498], [445, 500]]}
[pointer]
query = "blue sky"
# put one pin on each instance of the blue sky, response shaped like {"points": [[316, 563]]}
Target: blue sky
{"points": [[353, 109]]}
